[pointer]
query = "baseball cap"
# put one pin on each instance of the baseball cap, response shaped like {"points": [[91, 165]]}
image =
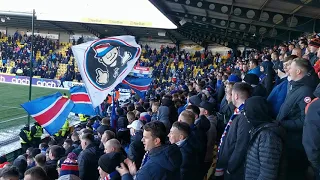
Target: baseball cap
{"points": [[137, 125]]}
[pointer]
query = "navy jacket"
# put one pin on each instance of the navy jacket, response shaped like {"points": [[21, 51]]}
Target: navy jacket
{"points": [[190, 161], [277, 96], [311, 133], [199, 136], [292, 113], [136, 149], [163, 163], [259, 90], [233, 150], [88, 162]]}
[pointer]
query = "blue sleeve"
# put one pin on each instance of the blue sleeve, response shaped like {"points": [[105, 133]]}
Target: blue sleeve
{"points": [[273, 101], [127, 177]]}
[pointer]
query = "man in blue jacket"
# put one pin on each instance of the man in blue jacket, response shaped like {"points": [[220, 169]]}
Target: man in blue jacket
{"points": [[254, 67], [161, 161], [279, 92]]}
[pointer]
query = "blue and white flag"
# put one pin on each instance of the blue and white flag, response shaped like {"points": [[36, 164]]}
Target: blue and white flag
{"points": [[104, 63], [81, 100], [50, 111]]}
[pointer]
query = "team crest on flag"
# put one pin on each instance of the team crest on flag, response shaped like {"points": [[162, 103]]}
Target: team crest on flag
{"points": [[104, 63]]}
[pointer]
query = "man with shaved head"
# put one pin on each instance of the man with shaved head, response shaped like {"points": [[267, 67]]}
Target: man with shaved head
{"points": [[113, 145], [297, 52]]}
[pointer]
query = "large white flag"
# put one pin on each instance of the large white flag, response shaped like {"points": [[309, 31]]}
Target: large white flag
{"points": [[104, 63]]}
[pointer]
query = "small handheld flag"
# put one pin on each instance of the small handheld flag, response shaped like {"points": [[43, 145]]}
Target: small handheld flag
{"points": [[50, 111], [113, 113], [81, 100]]}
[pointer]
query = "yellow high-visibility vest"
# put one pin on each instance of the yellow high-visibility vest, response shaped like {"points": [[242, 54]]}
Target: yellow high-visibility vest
{"points": [[39, 132], [28, 134]]}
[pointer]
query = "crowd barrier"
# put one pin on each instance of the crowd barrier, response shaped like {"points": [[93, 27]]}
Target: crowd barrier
{"points": [[12, 147]]}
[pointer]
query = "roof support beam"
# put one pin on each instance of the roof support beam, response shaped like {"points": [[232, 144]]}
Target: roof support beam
{"points": [[225, 9], [127, 31], [172, 37], [311, 3], [261, 11], [189, 36], [61, 27], [218, 39], [218, 20], [229, 17], [91, 30]]}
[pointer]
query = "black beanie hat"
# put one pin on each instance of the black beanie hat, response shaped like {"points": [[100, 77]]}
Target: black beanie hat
{"points": [[251, 79], [109, 162]]}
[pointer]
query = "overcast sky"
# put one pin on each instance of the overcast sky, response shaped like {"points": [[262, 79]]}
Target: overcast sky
{"points": [[75, 10]]}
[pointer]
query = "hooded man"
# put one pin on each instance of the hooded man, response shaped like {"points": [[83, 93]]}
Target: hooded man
{"points": [[265, 157]]}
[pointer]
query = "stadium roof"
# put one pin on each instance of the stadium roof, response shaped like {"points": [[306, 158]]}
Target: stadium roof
{"points": [[260, 22], [244, 22]]}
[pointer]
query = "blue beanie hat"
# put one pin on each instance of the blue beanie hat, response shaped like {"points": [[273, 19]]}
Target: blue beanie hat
{"points": [[234, 78]]}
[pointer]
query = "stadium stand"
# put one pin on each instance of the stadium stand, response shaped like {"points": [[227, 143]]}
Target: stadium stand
{"points": [[251, 114]]}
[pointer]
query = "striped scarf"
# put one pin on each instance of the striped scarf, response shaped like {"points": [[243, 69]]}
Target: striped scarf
{"points": [[109, 177], [145, 159], [237, 111]]}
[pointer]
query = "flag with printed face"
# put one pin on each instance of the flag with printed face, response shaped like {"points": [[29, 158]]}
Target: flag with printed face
{"points": [[50, 111], [104, 63], [81, 100]]}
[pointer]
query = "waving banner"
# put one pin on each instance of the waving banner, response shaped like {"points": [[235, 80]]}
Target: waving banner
{"points": [[104, 63]]}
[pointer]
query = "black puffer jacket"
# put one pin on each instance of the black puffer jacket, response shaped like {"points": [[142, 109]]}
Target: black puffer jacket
{"points": [[265, 155], [311, 132]]}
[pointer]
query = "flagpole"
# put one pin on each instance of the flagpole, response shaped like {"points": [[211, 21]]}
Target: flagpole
{"points": [[31, 57]]}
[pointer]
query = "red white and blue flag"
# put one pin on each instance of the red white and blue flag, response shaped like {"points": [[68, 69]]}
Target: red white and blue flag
{"points": [[81, 100], [139, 85], [50, 111]]}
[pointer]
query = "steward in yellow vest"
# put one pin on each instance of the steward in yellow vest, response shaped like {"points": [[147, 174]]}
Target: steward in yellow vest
{"points": [[36, 133], [25, 138], [83, 120]]}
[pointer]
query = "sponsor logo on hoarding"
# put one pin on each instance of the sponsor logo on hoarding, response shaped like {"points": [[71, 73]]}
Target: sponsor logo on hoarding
{"points": [[25, 81]]}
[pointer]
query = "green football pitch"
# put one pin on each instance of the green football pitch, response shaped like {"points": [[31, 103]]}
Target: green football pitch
{"points": [[11, 96]]}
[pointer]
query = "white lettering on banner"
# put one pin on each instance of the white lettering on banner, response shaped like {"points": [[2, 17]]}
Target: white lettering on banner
{"points": [[49, 36], [20, 81], [141, 68], [69, 84], [46, 84], [2, 79]]}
